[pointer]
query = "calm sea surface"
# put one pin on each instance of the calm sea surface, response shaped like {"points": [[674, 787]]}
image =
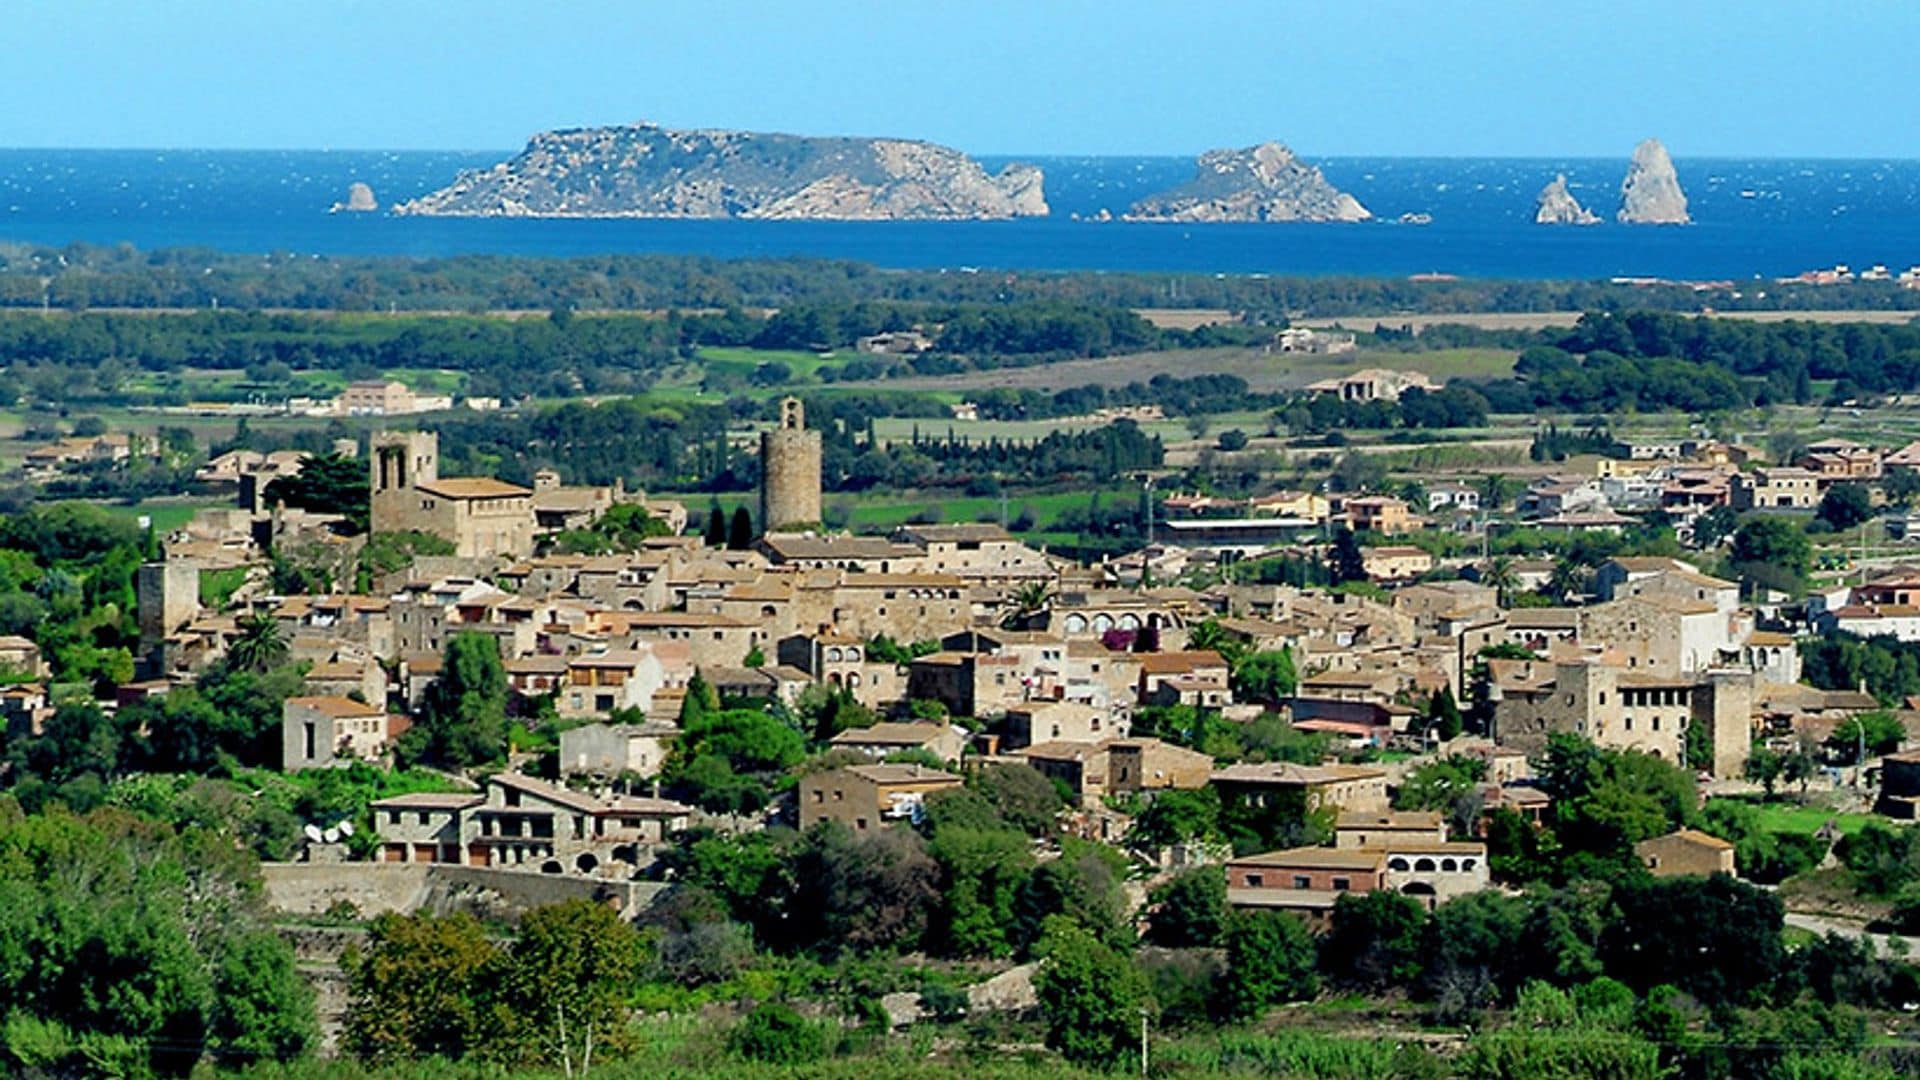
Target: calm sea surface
{"points": [[1754, 217]]}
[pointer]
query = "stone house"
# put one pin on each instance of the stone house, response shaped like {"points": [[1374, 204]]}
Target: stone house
{"points": [[480, 517], [867, 797], [1094, 770], [533, 824], [943, 741], [977, 553], [1622, 709], [968, 684], [1355, 788], [1381, 514], [611, 750], [1776, 488], [600, 683], [1057, 721], [1684, 852], [326, 732], [1396, 563], [421, 828]]}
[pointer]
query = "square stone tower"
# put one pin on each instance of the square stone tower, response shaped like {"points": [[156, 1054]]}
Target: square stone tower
{"points": [[398, 462]]}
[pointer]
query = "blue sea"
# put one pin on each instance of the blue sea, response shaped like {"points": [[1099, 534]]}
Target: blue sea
{"points": [[1753, 217]]}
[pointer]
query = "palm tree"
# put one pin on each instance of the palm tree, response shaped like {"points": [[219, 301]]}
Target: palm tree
{"points": [[1028, 600], [1494, 491], [1569, 579], [1500, 575], [260, 646]]}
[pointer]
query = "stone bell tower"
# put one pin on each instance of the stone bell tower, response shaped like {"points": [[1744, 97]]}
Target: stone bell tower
{"points": [[789, 471]]}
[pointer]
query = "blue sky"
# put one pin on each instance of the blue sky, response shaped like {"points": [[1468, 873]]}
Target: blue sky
{"points": [[1501, 77]]}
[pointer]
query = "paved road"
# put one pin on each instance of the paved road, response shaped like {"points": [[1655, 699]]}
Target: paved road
{"points": [[1820, 924]]}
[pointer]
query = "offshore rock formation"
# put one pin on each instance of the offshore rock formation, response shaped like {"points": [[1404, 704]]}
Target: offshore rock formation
{"points": [[644, 170], [1260, 183], [360, 200], [1557, 206], [1651, 195]]}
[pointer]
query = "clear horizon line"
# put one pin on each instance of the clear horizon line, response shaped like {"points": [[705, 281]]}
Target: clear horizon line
{"points": [[1309, 158]]}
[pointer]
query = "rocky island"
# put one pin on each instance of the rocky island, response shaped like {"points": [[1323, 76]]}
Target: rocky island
{"points": [[360, 200], [1651, 195], [1557, 206], [644, 170], [1260, 183]]}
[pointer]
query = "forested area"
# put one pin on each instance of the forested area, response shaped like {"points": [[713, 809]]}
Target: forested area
{"points": [[78, 276], [1650, 361]]}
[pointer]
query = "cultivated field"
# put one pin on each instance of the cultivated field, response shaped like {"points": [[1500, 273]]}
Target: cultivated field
{"points": [[1263, 371]]}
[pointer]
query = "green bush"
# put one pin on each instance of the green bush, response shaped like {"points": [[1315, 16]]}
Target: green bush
{"points": [[777, 1035]]}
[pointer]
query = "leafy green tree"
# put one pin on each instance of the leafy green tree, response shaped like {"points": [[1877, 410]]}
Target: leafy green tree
{"points": [[1189, 910], [463, 719], [1084, 886], [262, 1009], [1265, 676], [748, 740], [1845, 506], [866, 892], [1771, 553], [1026, 800], [327, 484], [565, 981], [1880, 731], [1090, 998], [1270, 959], [1476, 952], [420, 988], [1177, 816], [1716, 938], [1764, 767], [1374, 941], [982, 872]]}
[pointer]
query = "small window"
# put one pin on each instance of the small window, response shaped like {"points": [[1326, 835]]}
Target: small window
{"points": [[1302, 881], [1254, 881], [1341, 884]]}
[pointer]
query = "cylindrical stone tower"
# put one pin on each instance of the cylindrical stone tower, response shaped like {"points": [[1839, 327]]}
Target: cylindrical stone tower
{"points": [[789, 471]]}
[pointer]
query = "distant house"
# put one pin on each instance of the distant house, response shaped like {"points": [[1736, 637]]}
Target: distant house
{"points": [[1300, 339], [943, 741], [326, 732], [866, 797], [1396, 563], [1373, 384], [895, 343], [609, 750], [1687, 851]]}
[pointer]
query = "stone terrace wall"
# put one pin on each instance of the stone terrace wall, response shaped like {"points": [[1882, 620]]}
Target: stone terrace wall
{"points": [[307, 890]]}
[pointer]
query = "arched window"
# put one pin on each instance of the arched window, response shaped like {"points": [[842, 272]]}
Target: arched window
{"points": [[1423, 866], [1397, 863], [1448, 865]]}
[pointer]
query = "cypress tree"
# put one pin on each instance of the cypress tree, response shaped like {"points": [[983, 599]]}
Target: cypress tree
{"points": [[740, 536]]}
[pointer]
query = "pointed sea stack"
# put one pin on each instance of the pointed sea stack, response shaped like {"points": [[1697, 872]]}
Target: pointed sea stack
{"points": [[1651, 195], [1557, 206]]}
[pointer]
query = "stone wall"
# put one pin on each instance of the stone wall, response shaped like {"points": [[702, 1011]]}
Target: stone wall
{"points": [[309, 889]]}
